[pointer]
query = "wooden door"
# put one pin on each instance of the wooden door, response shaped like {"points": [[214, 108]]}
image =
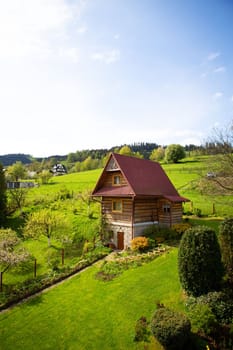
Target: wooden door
{"points": [[120, 240]]}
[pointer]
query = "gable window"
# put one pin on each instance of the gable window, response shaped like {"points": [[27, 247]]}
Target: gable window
{"points": [[116, 180], [166, 208], [117, 206]]}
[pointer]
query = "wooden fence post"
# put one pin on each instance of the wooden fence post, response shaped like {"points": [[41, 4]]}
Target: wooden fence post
{"points": [[213, 210], [35, 268], [62, 256], [1, 281]]}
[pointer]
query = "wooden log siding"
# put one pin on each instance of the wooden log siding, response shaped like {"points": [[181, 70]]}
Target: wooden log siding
{"points": [[173, 217], [124, 216], [146, 210]]}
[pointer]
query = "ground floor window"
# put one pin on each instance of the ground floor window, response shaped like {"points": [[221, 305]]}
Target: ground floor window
{"points": [[117, 206], [166, 208]]}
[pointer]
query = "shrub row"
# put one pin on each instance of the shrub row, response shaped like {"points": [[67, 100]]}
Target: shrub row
{"points": [[161, 234], [30, 287]]}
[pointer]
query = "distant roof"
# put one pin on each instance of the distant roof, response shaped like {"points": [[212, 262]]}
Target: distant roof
{"points": [[143, 177]]}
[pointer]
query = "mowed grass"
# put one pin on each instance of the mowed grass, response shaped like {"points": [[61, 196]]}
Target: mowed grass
{"points": [[85, 313]]}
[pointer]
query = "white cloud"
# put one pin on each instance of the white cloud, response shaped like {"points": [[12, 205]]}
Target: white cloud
{"points": [[70, 53], [217, 95], [82, 29], [221, 69], [213, 55], [110, 56], [29, 27], [204, 75]]}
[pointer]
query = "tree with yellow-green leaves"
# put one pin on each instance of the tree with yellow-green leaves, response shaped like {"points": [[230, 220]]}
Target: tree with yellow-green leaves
{"points": [[48, 223]]}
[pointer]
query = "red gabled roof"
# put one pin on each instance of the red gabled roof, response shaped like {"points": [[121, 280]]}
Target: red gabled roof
{"points": [[144, 178]]}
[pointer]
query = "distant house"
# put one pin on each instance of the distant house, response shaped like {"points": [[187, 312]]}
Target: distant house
{"points": [[59, 169], [17, 184], [136, 193]]}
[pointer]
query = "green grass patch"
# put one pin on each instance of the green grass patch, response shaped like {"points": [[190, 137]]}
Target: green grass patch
{"points": [[85, 313]]}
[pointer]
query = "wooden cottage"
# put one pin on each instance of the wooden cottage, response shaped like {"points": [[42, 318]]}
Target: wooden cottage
{"points": [[136, 193]]}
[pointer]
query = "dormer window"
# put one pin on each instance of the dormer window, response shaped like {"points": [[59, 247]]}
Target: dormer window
{"points": [[116, 180], [117, 206]]}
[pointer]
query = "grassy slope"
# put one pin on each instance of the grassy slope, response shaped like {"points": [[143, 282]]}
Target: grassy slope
{"points": [[87, 314], [181, 175], [184, 176], [84, 313]]}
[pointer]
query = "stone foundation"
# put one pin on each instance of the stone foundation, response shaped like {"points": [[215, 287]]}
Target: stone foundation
{"points": [[127, 230]]}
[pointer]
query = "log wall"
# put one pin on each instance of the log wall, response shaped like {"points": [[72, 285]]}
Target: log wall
{"points": [[110, 216], [172, 217], [145, 210]]}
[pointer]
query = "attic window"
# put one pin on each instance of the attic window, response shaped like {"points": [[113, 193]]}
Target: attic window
{"points": [[166, 208], [116, 180], [117, 206], [112, 166]]}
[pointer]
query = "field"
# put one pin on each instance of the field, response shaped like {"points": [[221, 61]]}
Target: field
{"points": [[83, 312]]}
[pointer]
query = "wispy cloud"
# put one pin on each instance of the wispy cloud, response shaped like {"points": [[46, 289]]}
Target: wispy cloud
{"points": [[217, 95], [32, 27], [221, 69], [82, 29], [213, 55], [71, 54], [108, 57]]}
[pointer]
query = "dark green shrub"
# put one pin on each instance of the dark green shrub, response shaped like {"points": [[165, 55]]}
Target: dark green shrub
{"points": [[220, 303], [226, 244], [203, 320], [151, 243], [197, 212], [199, 261], [171, 329], [142, 332], [159, 233]]}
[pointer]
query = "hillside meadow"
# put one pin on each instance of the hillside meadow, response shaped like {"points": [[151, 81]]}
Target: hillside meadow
{"points": [[63, 194], [83, 312]]}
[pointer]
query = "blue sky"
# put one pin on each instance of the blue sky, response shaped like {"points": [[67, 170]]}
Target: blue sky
{"points": [[78, 74]]}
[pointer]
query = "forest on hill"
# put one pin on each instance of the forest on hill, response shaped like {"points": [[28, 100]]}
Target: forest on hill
{"points": [[143, 148]]}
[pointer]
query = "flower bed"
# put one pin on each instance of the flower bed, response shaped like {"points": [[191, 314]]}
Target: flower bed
{"points": [[114, 267]]}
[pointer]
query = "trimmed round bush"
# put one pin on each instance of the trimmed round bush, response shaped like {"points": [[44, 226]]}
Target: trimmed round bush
{"points": [[171, 329], [199, 261]]}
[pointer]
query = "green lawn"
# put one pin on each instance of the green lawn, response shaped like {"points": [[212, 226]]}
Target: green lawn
{"points": [[85, 313]]}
